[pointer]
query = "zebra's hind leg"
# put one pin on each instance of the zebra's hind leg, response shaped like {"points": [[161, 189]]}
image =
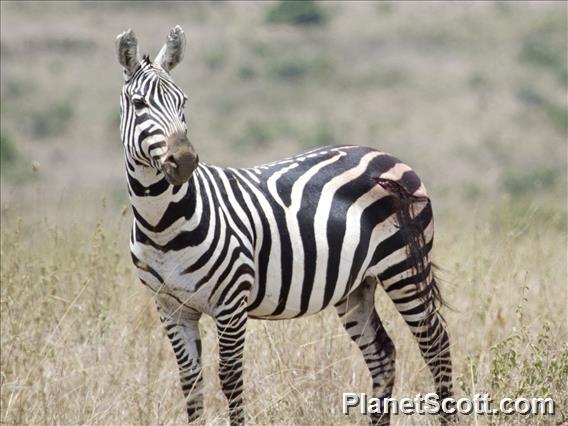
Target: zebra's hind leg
{"points": [[360, 319], [182, 328], [429, 330]]}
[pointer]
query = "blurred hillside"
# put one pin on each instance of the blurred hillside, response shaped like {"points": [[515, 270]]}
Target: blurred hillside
{"points": [[472, 95]]}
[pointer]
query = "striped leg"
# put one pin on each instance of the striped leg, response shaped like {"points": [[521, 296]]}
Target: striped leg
{"points": [[412, 287], [231, 328], [429, 329], [360, 319], [183, 331]]}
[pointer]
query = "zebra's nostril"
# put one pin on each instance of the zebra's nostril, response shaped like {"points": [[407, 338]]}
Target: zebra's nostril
{"points": [[171, 162]]}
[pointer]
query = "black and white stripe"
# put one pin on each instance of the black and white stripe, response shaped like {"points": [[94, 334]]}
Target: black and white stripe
{"points": [[277, 241]]}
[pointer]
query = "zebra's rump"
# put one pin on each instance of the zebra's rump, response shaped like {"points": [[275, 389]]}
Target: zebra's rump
{"points": [[329, 219]]}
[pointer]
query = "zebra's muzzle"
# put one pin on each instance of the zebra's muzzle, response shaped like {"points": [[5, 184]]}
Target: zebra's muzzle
{"points": [[180, 161]]}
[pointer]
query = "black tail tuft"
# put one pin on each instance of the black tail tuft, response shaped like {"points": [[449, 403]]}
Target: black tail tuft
{"points": [[412, 222]]}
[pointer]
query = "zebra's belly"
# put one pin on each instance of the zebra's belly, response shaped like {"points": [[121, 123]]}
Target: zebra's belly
{"points": [[270, 302], [313, 276], [298, 300]]}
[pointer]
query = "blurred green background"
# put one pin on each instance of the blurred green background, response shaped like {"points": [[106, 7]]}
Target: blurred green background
{"points": [[472, 95]]}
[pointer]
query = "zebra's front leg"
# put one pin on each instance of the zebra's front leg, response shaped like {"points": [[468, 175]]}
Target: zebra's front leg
{"points": [[182, 328], [231, 327]]}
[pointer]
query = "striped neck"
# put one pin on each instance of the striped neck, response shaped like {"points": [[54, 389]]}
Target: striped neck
{"points": [[157, 205]]}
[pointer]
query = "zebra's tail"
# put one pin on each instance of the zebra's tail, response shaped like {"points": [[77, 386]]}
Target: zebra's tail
{"points": [[413, 216]]}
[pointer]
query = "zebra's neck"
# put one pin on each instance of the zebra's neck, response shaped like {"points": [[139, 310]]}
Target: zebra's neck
{"points": [[160, 209]]}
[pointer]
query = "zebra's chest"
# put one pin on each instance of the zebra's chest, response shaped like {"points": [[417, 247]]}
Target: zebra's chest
{"points": [[167, 275]]}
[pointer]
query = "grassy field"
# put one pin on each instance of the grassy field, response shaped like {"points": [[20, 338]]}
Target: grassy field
{"points": [[473, 96], [81, 342]]}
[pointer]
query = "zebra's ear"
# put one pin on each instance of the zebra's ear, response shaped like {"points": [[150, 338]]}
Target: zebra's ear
{"points": [[127, 51], [172, 52]]}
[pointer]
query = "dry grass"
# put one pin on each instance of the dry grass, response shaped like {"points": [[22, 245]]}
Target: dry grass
{"points": [[81, 342]]}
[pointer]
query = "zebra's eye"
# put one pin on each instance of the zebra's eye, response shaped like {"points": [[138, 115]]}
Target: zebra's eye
{"points": [[139, 103]]}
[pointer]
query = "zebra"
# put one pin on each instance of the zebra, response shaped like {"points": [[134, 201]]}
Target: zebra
{"points": [[277, 241]]}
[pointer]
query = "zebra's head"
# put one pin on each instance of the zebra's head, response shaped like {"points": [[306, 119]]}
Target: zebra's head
{"points": [[152, 124]]}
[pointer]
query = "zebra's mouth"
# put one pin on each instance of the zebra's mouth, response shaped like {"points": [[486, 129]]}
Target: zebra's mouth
{"points": [[178, 172], [180, 160], [173, 179]]}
